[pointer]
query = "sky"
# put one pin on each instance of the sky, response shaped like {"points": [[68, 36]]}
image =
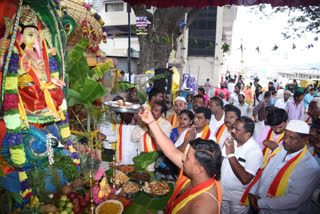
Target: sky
{"points": [[252, 31]]}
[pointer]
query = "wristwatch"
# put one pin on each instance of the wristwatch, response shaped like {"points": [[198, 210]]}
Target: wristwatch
{"points": [[230, 155]]}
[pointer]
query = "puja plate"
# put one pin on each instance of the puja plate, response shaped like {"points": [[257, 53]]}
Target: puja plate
{"points": [[127, 107]]}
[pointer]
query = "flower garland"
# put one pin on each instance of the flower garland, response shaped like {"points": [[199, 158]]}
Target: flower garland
{"points": [[49, 149]]}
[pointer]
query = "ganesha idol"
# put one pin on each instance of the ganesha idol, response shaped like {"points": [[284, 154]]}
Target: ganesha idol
{"points": [[34, 106]]}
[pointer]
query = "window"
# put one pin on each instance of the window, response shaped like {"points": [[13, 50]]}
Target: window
{"points": [[202, 33], [113, 7]]}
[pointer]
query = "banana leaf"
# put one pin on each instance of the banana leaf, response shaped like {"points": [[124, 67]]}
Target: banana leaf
{"points": [[142, 96], [145, 159], [91, 91], [143, 202], [97, 72], [122, 85], [156, 77], [73, 98]]}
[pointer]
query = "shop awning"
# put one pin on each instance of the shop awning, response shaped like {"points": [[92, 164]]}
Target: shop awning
{"points": [[204, 3]]}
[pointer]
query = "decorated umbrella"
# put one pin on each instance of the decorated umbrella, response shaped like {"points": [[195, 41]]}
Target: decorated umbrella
{"points": [[204, 3]]}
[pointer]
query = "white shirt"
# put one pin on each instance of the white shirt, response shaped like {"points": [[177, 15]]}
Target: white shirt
{"points": [[132, 78], [280, 103], [249, 155], [211, 137], [223, 137], [106, 129], [243, 108], [303, 179], [214, 124], [234, 98], [129, 148], [231, 87]]}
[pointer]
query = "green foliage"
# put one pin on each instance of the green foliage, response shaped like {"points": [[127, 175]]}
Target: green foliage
{"points": [[166, 40], [156, 77], [84, 87], [31, 210], [36, 179], [122, 85], [211, 45], [302, 20], [275, 47], [8, 199], [55, 179], [225, 48], [69, 169], [142, 96], [145, 159]]}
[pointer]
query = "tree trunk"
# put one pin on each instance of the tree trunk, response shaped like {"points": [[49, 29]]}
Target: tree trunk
{"points": [[155, 47]]}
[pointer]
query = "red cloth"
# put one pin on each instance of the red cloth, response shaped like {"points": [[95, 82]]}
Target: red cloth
{"points": [[204, 3], [33, 98]]}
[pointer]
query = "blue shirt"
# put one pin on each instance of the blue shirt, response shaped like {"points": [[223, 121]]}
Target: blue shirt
{"points": [[307, 99]]}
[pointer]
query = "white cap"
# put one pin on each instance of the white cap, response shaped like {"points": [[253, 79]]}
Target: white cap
{"points": [[242, 94], [180, 98], [298, 126]]}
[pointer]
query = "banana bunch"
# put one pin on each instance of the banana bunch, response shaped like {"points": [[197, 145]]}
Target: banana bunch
{"points": [[34, 201]]}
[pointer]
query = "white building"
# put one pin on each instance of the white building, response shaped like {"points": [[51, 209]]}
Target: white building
{"points": [[201, 52]]}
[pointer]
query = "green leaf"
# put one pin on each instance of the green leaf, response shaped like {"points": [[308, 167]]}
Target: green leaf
{"points": [[73, 98], [275, 47], [91, 91], [123, 85], [101, 68], [78, 72], [142, 96], [145, 159], [156, 77], [225, 48]]}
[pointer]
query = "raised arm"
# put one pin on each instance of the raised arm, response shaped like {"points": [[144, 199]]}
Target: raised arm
{"points": [[165, 144]]}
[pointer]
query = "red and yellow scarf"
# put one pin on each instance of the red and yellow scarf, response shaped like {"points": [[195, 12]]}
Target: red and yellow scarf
{"points": [[175, 204], [266, 150], [220, 132], [149, 144], [173, 119], [119, 142], [280, 182]]}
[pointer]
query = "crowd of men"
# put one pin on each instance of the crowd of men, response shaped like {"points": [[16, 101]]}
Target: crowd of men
{"points": [[230, 163]]}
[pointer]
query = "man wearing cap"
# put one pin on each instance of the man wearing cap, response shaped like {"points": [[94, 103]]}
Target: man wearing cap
{"points": [[282, 103], [244, 108], [179, 105], [285, 183]]}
